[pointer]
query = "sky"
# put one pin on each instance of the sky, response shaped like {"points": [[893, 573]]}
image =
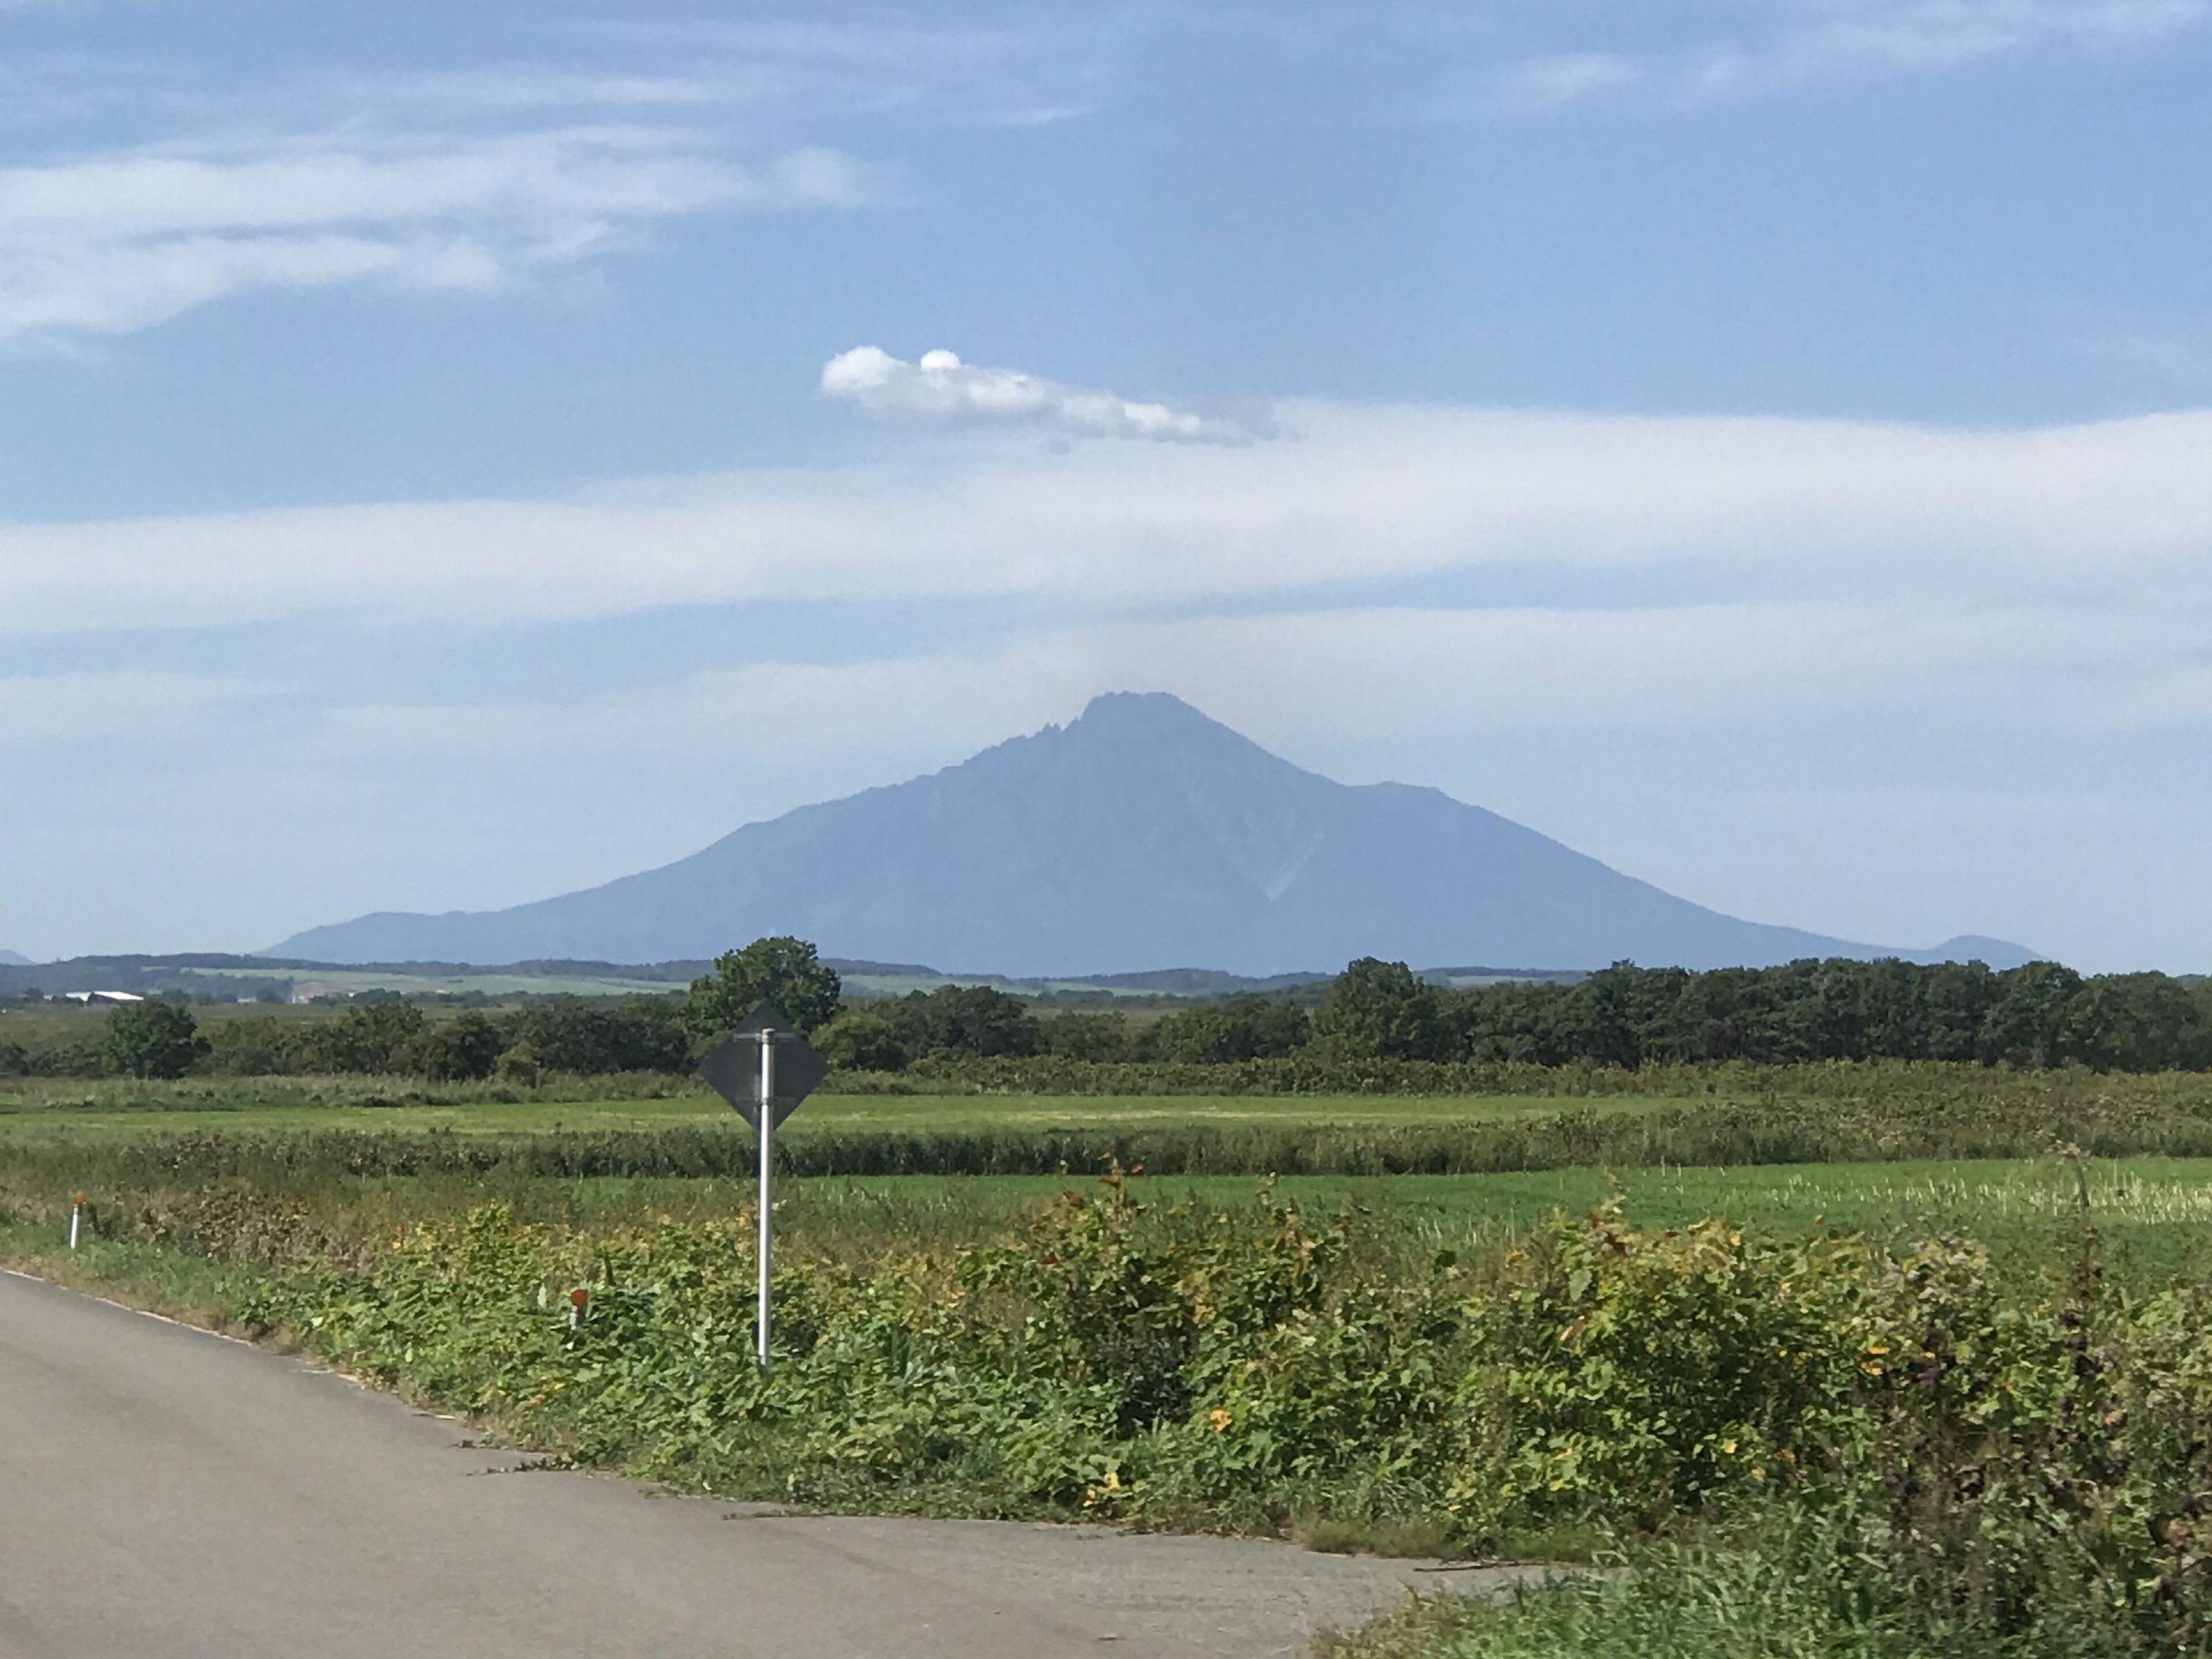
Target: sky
{"points": [[451, 454]]}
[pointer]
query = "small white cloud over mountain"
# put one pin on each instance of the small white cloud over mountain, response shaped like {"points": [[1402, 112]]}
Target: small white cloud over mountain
{"points": [[940, 387]]}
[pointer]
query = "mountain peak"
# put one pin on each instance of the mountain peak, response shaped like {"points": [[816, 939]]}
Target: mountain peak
{"points": [[1156, 712], [1125, 706], [1142, 727]]}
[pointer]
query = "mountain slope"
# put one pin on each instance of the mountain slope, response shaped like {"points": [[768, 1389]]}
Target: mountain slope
{"points": [[1141, 835], [9, 959]]}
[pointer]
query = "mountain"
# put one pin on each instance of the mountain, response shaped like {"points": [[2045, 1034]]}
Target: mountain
{"points": [[9, 959], [1141, 835]]}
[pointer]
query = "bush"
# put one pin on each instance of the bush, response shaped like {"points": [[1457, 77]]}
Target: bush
{"points": [[858, 1041], [1097, 1038], [153, 1039], [593, 1038], [1240, 1028], [458, 1050], [376, 1036], [957, 1022], [259, 1046]]}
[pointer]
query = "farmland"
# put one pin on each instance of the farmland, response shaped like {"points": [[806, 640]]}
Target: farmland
{"points": [[1335, 1316]]}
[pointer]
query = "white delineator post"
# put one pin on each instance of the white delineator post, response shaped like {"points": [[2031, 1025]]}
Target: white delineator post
{"points": [[767, 1136], [77, 1215]]}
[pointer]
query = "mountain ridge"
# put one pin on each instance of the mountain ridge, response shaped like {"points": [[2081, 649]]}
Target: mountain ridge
{"points": [[1141, 833]]}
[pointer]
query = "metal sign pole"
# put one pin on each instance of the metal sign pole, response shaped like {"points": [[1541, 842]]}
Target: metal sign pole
{"points": [[766, 1141], [744, 1069]]}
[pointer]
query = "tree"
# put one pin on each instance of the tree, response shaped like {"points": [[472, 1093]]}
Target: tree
{"points": [[1378, 1009], [966, 1021], [1100, 1038], [783, 972], [1247, 1027], [154, 1039], [2027, 1026], [460, 1050], [858, 1042], [377, 1034], [642, 1033]]}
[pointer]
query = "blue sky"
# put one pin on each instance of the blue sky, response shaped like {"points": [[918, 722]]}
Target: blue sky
{"points": [[452, 454]]}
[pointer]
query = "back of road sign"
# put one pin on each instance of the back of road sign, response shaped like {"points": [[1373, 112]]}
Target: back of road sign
{"points": [[733, 1069]]}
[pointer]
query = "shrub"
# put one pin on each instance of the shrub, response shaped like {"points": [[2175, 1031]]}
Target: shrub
{"points": [[957, 1022], [457, 1050], [594, 1038], [859, 1042], [1242, 1028], [154, 1039]]}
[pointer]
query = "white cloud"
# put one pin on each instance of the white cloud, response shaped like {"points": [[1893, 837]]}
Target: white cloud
{"points": [[1804, 41], [107, 244], [940, 387], [1765, 510]]}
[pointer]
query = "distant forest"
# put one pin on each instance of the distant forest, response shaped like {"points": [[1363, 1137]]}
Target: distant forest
{"points": [[2040, 1015]]}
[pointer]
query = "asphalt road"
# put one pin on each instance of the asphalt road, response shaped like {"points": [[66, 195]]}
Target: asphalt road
{"points": [[171, 1494]]}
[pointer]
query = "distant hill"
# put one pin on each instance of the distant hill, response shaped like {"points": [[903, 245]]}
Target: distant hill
{"points": [[9, 959], [1139, 836]]}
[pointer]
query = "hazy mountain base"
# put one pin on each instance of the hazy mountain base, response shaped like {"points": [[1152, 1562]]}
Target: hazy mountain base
{"points": [[1142, 833]]}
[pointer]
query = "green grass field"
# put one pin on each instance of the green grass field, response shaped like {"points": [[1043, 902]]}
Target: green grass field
{"points": [[385, 1106], [2151, 1210], [2153, 1215]]}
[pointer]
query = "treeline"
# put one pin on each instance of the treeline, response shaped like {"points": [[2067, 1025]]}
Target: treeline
{"points": [[156, 1039], [2039, 1016]]}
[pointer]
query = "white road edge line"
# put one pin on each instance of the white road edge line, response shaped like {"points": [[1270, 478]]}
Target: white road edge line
{"points": [[143, 1313], [305, 1363]]}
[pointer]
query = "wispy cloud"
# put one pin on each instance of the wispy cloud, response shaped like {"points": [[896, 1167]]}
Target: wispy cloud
{"points": [[1545, 83], [2069, 562], [70, 707], [107, 244], [942, 388], [1796, 42]]}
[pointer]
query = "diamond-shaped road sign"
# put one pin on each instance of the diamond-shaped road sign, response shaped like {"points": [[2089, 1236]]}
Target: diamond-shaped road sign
{"points": [[733, 1069]]}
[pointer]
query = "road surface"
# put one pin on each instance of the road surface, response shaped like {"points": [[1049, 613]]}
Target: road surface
{"points": [[175, 1495]]}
